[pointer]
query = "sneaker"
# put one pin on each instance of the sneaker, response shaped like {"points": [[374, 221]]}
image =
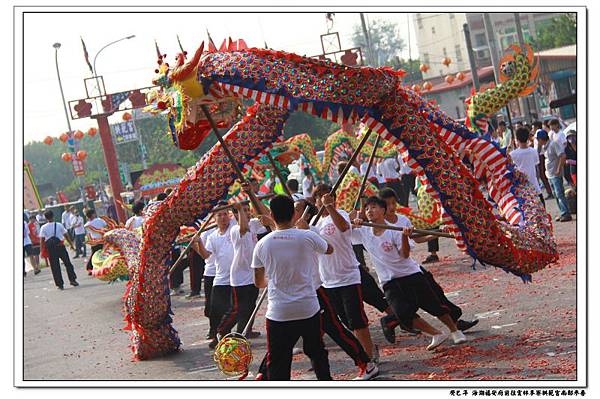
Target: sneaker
{"points": [[370, 371], [74, 283], [252, 334], [60, 287], [458, 337], [567, 218], [76, 256], [388, 332], [37, 271], [192, 295], [436, 341], [210, 335], [213, 343], [549, 197], [375, 356], [557, 218], [431, 259], [89, 273], [464, 325]]}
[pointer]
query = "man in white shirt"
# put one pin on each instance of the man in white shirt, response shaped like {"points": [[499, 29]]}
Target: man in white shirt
{"points": [[372, 177], [52, 235], [292, 185], [94, 223], [67, 219], [308, 183], [79, 233], [286, 258], [218, 244], [408, 178], [556, 133], [389, 170], [405, 286], [340, 274], [527, 159]]}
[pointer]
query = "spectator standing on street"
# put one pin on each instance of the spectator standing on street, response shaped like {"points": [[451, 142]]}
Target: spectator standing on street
{"points": [[526, 160], [79, 232], [94, 222], [505, 135], [555, 160], [52, 235], [308, 183], [34, 236], [137, 220], [66, 221], [537, 125]]}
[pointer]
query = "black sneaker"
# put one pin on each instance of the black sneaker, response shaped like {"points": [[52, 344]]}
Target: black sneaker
{"points": [[74, 283], [213, 343], [37, 271], [388, 332], [60, 287], [566, 218], [431, 259], [464, 325]]}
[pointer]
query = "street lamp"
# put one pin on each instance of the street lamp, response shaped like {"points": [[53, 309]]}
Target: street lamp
{"points": [[98, 53], [56, 47]]}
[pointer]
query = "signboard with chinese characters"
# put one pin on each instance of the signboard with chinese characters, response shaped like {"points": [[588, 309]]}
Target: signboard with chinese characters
{"points": [[31, 196], [78, 167], [124, 132]]}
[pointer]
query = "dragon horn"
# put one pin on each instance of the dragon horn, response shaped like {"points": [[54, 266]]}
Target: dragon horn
{"points": [[530, 53], [184, 71]]}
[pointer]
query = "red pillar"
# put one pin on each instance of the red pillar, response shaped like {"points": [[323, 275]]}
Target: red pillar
{"points": [[112, 164]]}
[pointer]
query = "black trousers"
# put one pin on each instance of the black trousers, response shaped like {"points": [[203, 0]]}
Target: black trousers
{"points": [[208, 286], [176, 278], [395, 185], [433, 245], [371, 292], [281, 338], [196, 266], [220, 303], [56, 254], [95, 248], [242, 303], [408, 186]]}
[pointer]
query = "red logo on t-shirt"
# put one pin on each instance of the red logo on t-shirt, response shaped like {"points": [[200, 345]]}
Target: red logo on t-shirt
{"points": [[329, 229], [387, 246]]}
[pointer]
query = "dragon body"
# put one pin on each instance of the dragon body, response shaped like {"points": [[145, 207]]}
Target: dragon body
{"points": [[280, 83]]}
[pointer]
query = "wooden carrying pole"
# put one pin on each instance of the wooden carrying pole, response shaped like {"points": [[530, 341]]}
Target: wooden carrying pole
{"points": [[366, 176], [253, 316], [416, 231], [338, 182], [187, 249]]}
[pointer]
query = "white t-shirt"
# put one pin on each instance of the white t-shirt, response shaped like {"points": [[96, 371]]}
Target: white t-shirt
{"points": [[97, 224], [340, 269], [404, 168], [297, 196], [526, 160], [47, 231], [134, 222], [372, 171], [26, 239], [66, 219], [559, 137], [307, 187], [79, 229], [387, 169], [210, 267], [243, 246], [289, 262], [385, 253], [222, 249]]}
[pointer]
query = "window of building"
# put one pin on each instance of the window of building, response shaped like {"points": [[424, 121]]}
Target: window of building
{"points": [[433, 30], [480, 40], [458, 51]]}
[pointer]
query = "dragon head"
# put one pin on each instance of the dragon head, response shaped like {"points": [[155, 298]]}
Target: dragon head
{"points": [[179, 95]]}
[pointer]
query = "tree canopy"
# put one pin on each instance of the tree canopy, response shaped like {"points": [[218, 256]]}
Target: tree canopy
{"points": [[386, 42], [562, 31]]}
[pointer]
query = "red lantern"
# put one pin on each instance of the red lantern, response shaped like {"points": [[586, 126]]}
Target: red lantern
{"points": [[446, 61], [81, 155], [126, 116], [78, 135], [66, 156], [424, 68], [449, 79], [63, 137], [460, 76], [416, 88], [92, 131], [48, 140], [427, 85]]}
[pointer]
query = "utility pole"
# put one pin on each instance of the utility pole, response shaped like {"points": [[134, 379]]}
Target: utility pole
{"points": [[524, 100], [367, 38], [472, 62], [491, 39]]}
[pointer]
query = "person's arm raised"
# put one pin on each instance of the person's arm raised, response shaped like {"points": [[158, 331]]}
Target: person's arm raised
{"points": [[336, 217]]}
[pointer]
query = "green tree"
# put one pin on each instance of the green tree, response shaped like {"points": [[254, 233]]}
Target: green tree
{"points": [[386, 43], [562, 31]]}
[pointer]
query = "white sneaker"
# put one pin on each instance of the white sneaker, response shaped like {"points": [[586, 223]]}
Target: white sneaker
{"points": [[369, 372], [458, 337], [436, 341]]}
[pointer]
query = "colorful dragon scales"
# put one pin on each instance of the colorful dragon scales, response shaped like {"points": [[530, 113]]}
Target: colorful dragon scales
{"points": [[280, 83]]}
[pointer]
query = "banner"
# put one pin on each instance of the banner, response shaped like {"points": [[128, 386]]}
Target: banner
{"points": [[124, 132], [31, 196]]}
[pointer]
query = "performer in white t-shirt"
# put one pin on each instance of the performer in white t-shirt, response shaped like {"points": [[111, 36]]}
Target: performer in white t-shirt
{"points": [[137, 220], [94, 223], [218, 244], [339, 273], [404, 284], [284, 260]]}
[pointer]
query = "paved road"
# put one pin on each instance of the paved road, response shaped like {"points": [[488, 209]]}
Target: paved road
{"points": [[526, 331]]}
